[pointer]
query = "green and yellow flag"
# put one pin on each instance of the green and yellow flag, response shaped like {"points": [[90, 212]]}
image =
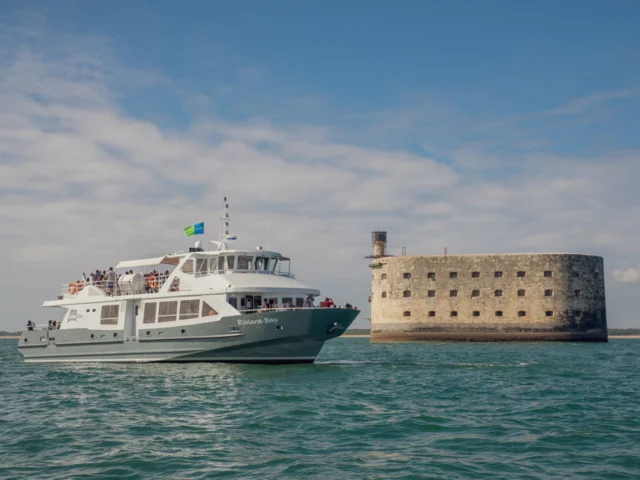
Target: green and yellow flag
{"points": [[197, 229]]}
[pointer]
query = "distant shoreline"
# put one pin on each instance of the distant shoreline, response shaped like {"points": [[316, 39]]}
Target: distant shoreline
{"points": [[7, 336]]}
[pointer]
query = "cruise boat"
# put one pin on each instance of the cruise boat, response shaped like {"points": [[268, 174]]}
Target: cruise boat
{"points": [[217, 305]]}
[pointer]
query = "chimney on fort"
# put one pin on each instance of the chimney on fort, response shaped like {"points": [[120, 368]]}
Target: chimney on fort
{"points": [[379, 240]]}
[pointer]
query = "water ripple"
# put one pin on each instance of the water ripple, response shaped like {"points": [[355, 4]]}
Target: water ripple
{"points": [[363, 411]]}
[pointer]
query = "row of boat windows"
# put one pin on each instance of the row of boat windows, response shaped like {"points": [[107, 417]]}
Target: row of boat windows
{"points": [[164, 311], [496, 274], [476, 313], [170, 311], [476, 293], [221, 263]]}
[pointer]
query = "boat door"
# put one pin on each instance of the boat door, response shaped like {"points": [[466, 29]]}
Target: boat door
{"points": [[131, 317]]}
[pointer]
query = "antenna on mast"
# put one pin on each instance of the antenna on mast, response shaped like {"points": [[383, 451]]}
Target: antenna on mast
{"points": [[224, 227]]}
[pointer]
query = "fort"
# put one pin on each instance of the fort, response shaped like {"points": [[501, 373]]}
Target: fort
{"points": [[486, 297]]}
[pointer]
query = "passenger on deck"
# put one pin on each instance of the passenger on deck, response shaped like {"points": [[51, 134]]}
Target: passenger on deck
{"points": [[249, 304], [111, 280], [50, 326], [30, 325], [265, 306], [308, 303], [92, 279]]}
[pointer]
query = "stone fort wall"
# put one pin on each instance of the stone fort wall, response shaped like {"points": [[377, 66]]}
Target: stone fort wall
{"points": [[488, 297]]}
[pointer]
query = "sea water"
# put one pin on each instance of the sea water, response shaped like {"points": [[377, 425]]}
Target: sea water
{"points": [[401, 411]]}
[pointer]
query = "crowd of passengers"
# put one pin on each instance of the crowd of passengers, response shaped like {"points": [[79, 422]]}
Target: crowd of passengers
{"points": [[269, 305], [107, 280], [52, 325]]}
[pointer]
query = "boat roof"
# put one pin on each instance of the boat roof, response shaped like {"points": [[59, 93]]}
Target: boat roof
{"points": [[174, 259]]}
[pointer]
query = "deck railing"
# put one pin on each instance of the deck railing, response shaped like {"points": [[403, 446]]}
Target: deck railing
{"points": [[151, 285]]}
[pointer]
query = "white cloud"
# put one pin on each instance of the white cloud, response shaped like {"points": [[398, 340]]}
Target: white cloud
{"points": [[83, 184], [629, 275]]}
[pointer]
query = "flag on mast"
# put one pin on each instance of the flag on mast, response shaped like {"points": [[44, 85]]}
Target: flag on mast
{"points": [[197, 229]]}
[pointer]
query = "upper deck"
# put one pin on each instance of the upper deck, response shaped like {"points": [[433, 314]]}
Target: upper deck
{"points": [[181, 272]]}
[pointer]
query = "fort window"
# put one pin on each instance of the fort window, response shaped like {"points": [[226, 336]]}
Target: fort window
{"points": [[499, 313], [522, 313], [476, 313], [498, 293], [431, 293], [497, 274], [406, 293], [596, 274], [431, 275], [432, 313], [475, 293], [383, 276], [475, 274], [521, 274], [453, 274], [576, 293], [521, 293], [548, 273], [576, 274], [453, 293], [577, 313], [384, 294], [549, 313], [548, 293], [407, 314], [406, 275], [454, 314]]}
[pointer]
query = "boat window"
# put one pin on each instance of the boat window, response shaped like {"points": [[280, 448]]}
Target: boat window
{"points": [[221, 263], [188, 267], [299, 302], [109, 315], [244, 262], [150, 312], [233, 301], [257, 301], [262, 263], [167, 311], [272, 302], [273, 262], [231, 260], [189, 309], [208, 310], [213, 264], [287, 302], [201, 266]]}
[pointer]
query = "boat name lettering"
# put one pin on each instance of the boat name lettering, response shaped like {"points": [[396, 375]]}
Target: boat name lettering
{"points": [[257, 321]]}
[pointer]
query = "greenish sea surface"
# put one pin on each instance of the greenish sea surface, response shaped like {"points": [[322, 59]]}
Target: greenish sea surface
{"points": [[384, 411]]}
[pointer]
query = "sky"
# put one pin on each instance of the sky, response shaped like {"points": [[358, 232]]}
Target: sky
{"points": [[483, 127]]}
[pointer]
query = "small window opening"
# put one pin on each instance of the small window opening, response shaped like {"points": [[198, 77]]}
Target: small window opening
{"points": [[407, 314], [522, 313], [548, 273], [383, 276], [431, 293], [406, 293], [431, 275], [548, 293], [521, 274], [475, 293], [453, 314], [453, 274], [432, 313], [549, 313], [499, 313], [476, 313], [497, 274], [384, 294], [475, 274], [453, 293], [406, 275], [576, 293], [521, 293], [498, 293]]}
